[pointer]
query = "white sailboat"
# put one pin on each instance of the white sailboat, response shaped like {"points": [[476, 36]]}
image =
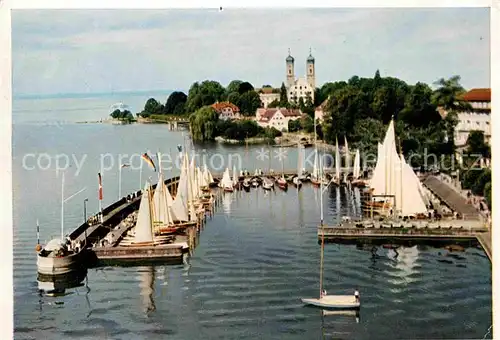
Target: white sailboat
{"points": [[325, 300], [226, 183], [395, 182], [356, 172], [144, 227], [235, 178], [180, 203], [347, 166], [336, 180], [297, 181]]}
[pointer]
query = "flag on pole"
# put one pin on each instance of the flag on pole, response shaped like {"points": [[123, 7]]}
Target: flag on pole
{"points": [[125, 165], [100, 186], [148, 160]]}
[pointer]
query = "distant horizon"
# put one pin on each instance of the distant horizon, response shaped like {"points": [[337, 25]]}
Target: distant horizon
{"points": [[169, 91]]}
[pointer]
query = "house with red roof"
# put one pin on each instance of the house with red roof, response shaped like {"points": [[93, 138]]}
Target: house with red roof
{"points": [[478, 118], [227, 110], [276, 117]]}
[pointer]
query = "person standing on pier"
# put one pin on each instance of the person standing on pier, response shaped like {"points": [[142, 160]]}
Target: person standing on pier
{"points": [[356, 295]]}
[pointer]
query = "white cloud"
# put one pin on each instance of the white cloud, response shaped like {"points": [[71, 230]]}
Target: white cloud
{"points": [[82, 50]]}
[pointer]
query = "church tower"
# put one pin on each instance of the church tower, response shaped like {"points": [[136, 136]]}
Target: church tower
{"points": [[311, 74], [290, 72]]}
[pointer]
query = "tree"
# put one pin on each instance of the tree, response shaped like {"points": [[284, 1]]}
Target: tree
{"points": [[233, 86], [173, 102], [418, 110], [274, 103], [283, 96], [203, 124], [448, 96], [249, 102], [206, 93], [307, 123], [487, 194], [122, 115], [476, 144], [294, 125], [245, 87], [153, 107]]}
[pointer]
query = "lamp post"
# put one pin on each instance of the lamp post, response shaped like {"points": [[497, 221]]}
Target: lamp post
{"points": [[85, 210]]}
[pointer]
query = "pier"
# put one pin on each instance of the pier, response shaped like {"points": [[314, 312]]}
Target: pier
{"points": [[470, 228], [102, 240]]}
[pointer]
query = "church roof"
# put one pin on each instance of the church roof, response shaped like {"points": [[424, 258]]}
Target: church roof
{"points": [[310, 58], [290, 59]]}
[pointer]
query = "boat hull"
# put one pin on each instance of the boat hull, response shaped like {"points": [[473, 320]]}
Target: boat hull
{"points": [[59, 265], [334, 302]]}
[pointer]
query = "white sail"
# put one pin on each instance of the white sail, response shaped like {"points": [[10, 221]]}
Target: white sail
{"points": [[384, 179], [377, 182], [235, 175], [347, 157], [409, 197], [161, 211], [226, 180], [315, 173], [299, 160], [143, 227], [180, 204], [357, 165], [208, 176], [337, 159]]}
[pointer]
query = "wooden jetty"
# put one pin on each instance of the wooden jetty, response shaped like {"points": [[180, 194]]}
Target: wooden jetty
{"points": [[469, 228], [113, 228]]}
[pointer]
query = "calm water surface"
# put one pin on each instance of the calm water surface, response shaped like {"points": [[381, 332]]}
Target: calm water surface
{"points": [[255, 259]]}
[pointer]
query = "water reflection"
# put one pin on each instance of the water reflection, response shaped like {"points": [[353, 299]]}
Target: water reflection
{"points": [[405, 262], [338, 323], [56, 285], [146, 285], [226, 202]]}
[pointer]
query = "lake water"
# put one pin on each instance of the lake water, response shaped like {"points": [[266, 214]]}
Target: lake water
{"points": [[255, 259]]}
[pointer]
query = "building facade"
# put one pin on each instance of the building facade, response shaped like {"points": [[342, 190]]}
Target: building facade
{"points": [[479, 118], [268, 95], [302, 87], [276, 117], [227, 110]]}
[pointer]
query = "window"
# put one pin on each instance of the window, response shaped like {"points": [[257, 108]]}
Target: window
{"points": [[289, 71], [301, 87], [487, 123]]}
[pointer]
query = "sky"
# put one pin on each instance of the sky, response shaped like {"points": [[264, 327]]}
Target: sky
{"points": [[98, 51]]}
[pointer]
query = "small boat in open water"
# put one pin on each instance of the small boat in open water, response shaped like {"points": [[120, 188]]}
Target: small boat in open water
{"points": [[330, 301]]}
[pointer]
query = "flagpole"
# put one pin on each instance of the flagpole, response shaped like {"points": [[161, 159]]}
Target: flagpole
{"points": [[62, 207], [100, 197], [119, 182], [140, 176]]}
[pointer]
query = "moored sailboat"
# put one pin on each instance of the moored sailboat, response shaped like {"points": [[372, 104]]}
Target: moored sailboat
{"points": [[324, 300], [226, 183]]}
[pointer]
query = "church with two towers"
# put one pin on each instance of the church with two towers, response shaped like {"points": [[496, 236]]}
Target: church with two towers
{"points": [[296, 88]]}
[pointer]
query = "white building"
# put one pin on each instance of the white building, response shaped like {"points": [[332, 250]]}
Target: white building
{"points": [[268, 95], [319, 112], [227, 110], [276, 117], [302, 87], [479, 118]]}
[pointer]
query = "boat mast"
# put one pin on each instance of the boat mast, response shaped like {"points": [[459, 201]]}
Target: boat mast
{"points": [[62, 207], [322, 235]]}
